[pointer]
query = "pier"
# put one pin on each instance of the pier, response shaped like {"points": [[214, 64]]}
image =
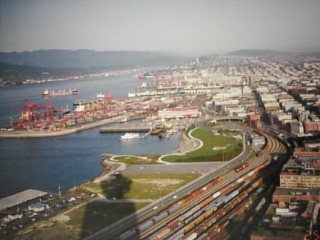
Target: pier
{"points": [[125, 129]]}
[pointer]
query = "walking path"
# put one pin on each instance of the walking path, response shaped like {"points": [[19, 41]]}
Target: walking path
{"points": [[186, 146]]}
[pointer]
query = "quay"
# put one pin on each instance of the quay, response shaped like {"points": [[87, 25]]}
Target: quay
{"points": [[124, 129], [61, 132]]}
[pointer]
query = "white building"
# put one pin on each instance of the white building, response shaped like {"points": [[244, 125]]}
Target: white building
{"points": [[179, 113], [297, 128], [258, 140]]}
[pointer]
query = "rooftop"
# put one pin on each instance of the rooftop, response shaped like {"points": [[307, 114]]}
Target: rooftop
{"points": [[20, 197], [297, 191]]}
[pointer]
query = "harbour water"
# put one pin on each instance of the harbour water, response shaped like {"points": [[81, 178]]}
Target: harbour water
{"points": [[65, 161]]}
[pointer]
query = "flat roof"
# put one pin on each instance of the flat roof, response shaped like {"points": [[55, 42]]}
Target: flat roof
{"points": [[20, 197], [286, 191]]}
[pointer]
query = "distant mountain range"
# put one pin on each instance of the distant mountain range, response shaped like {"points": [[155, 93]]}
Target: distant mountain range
{"points": [[11, 73], [256, 53], [267, 53], [18, 66], [88, 58]]}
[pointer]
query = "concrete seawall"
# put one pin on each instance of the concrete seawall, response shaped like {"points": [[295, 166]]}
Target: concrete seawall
{"points": [[33, 134]]}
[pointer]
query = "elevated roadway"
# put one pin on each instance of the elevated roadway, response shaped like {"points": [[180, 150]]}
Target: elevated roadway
{"points": [[227, 118]]}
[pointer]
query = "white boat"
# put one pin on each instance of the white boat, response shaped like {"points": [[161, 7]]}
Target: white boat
{"points": [[128, 136], [100, 96]]}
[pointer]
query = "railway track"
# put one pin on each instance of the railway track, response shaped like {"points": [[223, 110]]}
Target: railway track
{"points": [[152, 223], [273, 146]]}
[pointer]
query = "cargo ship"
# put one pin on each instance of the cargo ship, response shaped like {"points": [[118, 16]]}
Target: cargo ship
{"points": [[128, 136], [63, 92]]}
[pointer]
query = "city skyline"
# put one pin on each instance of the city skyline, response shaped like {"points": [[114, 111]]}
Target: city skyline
{"points": [[170, 26]]}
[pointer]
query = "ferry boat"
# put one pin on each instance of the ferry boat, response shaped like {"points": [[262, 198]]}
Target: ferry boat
{"points": [[63, 92], [128, 136]]}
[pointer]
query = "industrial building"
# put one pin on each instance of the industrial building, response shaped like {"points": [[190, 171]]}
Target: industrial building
{"points": [[179, 112], [301, 173], [287, 195]]}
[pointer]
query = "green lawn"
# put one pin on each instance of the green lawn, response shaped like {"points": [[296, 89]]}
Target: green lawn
{"points": [[141, 186], [137, 159], [231, 148]]}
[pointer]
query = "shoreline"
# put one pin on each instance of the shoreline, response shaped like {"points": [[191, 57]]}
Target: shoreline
{"points": [[62, 132], [184, 143]]}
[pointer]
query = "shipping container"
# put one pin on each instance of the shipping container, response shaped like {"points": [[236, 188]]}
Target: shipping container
{"points": [[164, 232], [202, 236], [130, 235], [172, 225], [192, 236], [145, 226], [206, 202], [174, 208], [160, 217], [220, 201]]}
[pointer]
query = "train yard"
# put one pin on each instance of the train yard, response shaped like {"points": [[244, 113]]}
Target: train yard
{"points": [[212, 208], [209, 208]]}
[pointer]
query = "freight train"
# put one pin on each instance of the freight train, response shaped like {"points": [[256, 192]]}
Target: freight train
{"points": [[198, 213], [243, 166], [212, 217], [147, 224]]}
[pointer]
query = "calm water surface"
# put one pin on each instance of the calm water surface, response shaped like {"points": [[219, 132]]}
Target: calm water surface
{"points": [[66, 161]]}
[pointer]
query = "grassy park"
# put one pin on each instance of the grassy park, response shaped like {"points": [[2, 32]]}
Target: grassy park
{"points": [[142, 186], [216, 147], [137, 159]]}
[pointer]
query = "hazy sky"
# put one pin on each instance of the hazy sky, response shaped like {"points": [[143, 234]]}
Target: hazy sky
{"points": [[160, 25]]}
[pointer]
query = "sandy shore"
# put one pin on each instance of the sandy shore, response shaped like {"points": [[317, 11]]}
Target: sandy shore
{"points": [[28, 134]]}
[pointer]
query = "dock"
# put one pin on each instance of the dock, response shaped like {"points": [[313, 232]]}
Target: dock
{"points": [[124, 129]]}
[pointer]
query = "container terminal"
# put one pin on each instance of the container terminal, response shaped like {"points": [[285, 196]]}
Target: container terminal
{"points": [[48, 120], [173, 98]]}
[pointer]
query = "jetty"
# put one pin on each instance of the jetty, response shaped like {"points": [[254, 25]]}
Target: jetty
{"points": [[124, 129]]}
